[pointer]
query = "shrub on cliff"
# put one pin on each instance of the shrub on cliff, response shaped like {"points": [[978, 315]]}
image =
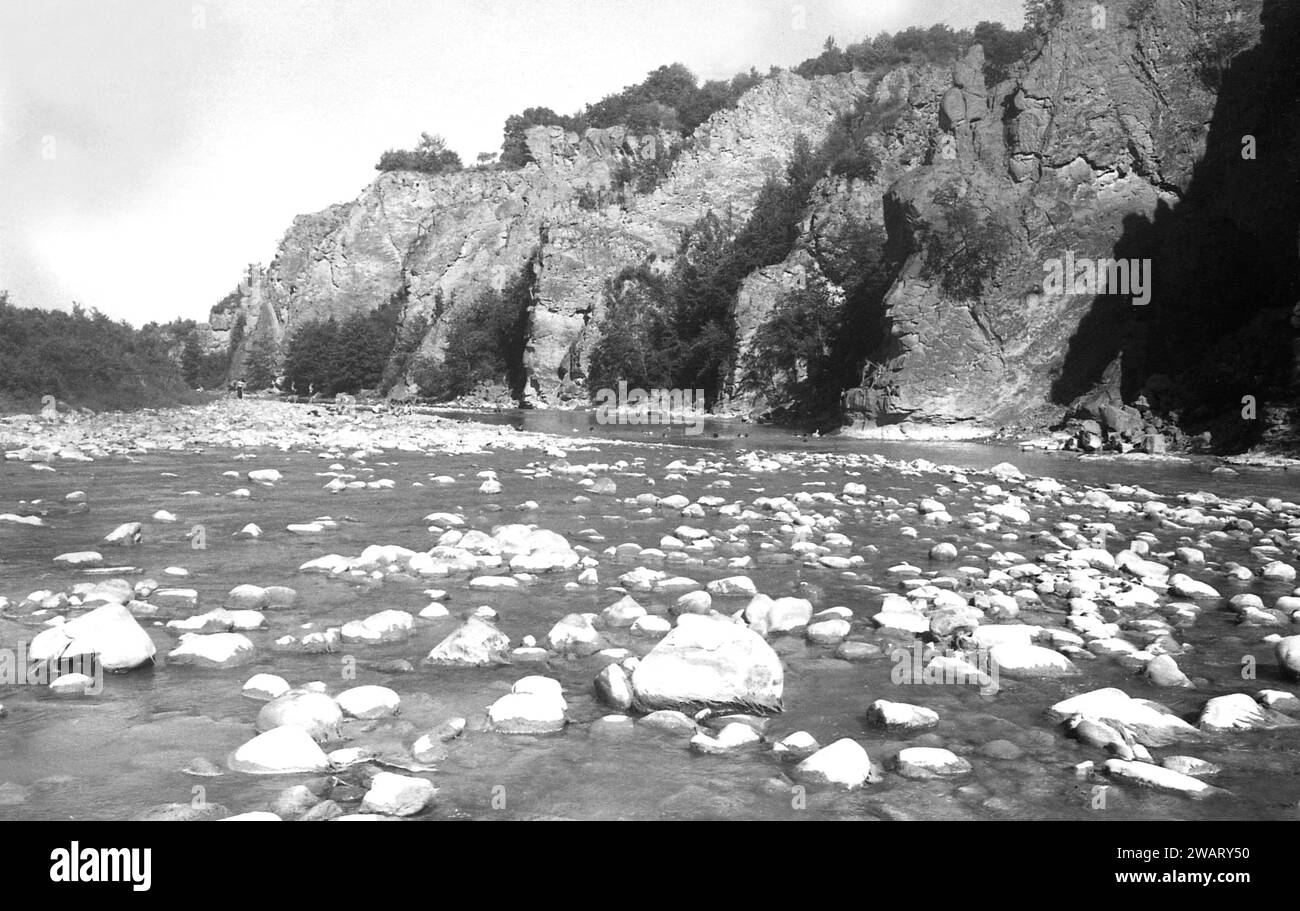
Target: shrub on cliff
{"points": [[669, 98], [430, 156], [965, 251], [514, 145], [1216, 45], [484, 341], [1042, 15], [814, 341], [938, 44]]}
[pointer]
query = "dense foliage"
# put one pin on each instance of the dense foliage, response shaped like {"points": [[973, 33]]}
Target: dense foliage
{"points": [[514, 147], [86, 359], [814, 342], [678, 330], [1220, 36], [964, 252], [332, 356], [939, 44], [484, 341], [430, 156], [201, 369]]}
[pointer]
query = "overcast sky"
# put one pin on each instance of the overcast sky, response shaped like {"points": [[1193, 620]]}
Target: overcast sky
{"points": [[151, 149]]}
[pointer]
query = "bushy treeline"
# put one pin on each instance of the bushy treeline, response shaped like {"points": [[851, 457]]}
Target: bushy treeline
{"points": [[329, 356], [87, 359], [672, 98], [938, 44], [200, 367], [430, 156], [669, 98], [484, 341], [677, 329], [815, 341]]}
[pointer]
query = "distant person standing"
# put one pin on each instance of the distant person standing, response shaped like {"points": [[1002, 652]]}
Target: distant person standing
{"points": [[239, 389]]}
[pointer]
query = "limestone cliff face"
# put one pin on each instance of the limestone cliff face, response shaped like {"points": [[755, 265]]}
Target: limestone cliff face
{"points": [[841, 208], [1113, 144], [1119, 139], [438, 240]]}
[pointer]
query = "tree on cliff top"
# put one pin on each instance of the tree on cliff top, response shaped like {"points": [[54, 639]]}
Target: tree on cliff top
{"points": [[430, 156]]}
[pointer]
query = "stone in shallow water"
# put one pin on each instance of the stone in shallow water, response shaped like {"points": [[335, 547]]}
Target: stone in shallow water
{"points": [[929, 762], [732, 586], [108, 632], [311, 711], [614, 687], [707, 662], [72, 685], [293, 802], [527, 713], [1190, 765], [1280, 700], [475, 642], [844, 764], [856, 651], [670, 720], [202, 767], [828, 632], [1150, 723], [651, 627], [1287, 651], [247, 597], [216, 650], [397, 795], [368, 702], [1239, 712], [575, 634], [385, 626], [80, 558], [1001, 749], [1158, 777], [799, 745], [280, 750], [1163, 670], [182, 812], [734, 736], [265, 687], [1028, 661], [901, 715], [622, 613]]}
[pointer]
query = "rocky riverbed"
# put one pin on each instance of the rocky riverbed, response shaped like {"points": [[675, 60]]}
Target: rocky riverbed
{"points": [[255, 609]]}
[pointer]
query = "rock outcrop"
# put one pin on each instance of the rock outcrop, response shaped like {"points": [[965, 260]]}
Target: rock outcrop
{"points": [[1165, 137], [438, 240]]}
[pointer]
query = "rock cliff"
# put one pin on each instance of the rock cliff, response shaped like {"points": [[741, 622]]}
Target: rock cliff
{"points": [[436, 240], [1121, 139]]}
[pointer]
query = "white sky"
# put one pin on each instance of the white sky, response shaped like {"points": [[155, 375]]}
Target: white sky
{"points": [[151, 149]]}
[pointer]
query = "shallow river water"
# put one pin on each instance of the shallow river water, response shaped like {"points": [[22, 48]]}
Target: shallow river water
{"points": [[118, 753]]}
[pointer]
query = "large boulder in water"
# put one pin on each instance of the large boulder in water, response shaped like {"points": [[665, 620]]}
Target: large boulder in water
{"points": [[279, 751], [109, 632], [314, 712], [474, 643], [713, 663]]}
